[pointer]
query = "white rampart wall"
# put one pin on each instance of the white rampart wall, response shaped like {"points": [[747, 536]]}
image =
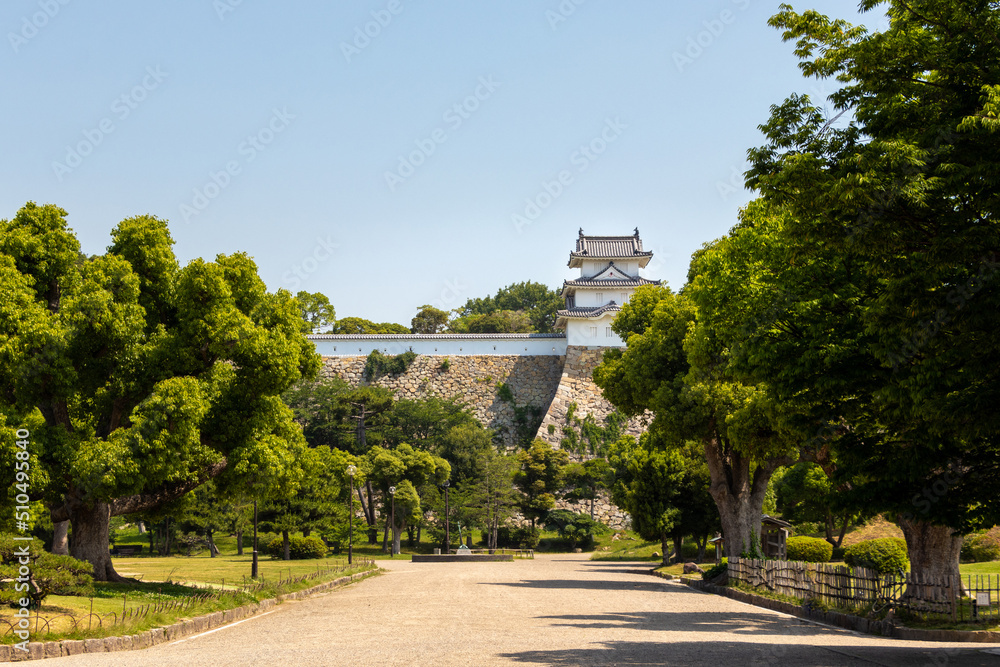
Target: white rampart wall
{"points": [[442, 344]]}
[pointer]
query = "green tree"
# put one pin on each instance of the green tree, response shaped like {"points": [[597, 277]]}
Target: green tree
{"points": [[540, 478], [536, 301], [501, 321], [806, 493], [904, 193], [318, 410], [389, 467], [586, 480], [315, 503], [464, 446], [647, 480], [425, 421], [357, 325], [675, 365], [490, 494], [318, 316], [150, 379], [429, 320]]}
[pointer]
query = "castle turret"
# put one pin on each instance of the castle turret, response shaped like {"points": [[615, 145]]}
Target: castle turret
{"points": [[609, 273]]}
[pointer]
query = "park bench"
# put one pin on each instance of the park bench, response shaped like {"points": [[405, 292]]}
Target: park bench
{"points": [[130, 550]]}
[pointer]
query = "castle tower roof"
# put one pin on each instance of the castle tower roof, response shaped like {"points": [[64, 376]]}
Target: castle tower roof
{"points": [[608, 248]]}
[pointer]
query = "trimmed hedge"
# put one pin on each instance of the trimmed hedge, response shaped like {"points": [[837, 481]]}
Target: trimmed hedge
{"points": [[300, 548], [884, 555], [809, 549]]}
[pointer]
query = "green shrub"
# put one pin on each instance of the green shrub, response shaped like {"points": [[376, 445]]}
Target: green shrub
{"points": [[518, 538], [716, 570], [300, 548], [445, 365], [838, 553], [504, 393], [980, 548], [577, 529], [379, 364], [885, 555], [809, 549], [50, 574]]}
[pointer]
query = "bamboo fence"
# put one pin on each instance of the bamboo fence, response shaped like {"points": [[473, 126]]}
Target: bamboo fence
{"points": [[964, 599]]}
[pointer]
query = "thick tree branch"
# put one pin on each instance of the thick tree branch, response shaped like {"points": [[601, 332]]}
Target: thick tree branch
{"points": [[166, 493]]}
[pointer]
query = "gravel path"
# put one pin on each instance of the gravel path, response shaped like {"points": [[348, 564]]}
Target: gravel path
{"points": [[555, 610]]}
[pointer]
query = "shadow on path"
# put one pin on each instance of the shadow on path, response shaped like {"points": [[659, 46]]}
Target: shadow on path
{"points": [[738, 623], [593, 584], [753, 655]]}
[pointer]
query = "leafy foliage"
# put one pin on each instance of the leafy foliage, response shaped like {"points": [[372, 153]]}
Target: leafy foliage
{"points": [[429, 320], [716, 570], [379, 364], [540, 478], [49, 573], [980, 548], [519, 307], [150, 378], [318, 316], [577, 529], [357, 325]]}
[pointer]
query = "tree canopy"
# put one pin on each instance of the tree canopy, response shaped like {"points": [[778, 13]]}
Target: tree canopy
{"points": [[140, 379]]}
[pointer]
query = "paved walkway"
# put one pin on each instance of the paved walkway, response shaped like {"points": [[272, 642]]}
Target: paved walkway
{"points": [[555, 610]]}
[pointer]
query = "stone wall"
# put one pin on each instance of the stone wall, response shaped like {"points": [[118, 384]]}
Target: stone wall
{"points": [[576, 386], [473, 379], [549, 384]]}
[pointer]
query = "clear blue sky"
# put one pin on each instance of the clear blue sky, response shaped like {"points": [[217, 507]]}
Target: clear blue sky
{"points": [[270, 128]]}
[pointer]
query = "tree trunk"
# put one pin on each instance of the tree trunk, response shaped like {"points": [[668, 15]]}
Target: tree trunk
{"points": [[702, 543], [663, 549], [933, 551], [306, 532], [370, 515], [212, 550], [60, 538], [286, 546], [239, 542], [397, 533], [142, 527], [738, 493], [91, 532], [678, 547]]}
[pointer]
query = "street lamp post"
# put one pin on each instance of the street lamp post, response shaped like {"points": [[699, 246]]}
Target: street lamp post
{"points": [[392, 520], [253, 567], [351, 469], [447, 519]]}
